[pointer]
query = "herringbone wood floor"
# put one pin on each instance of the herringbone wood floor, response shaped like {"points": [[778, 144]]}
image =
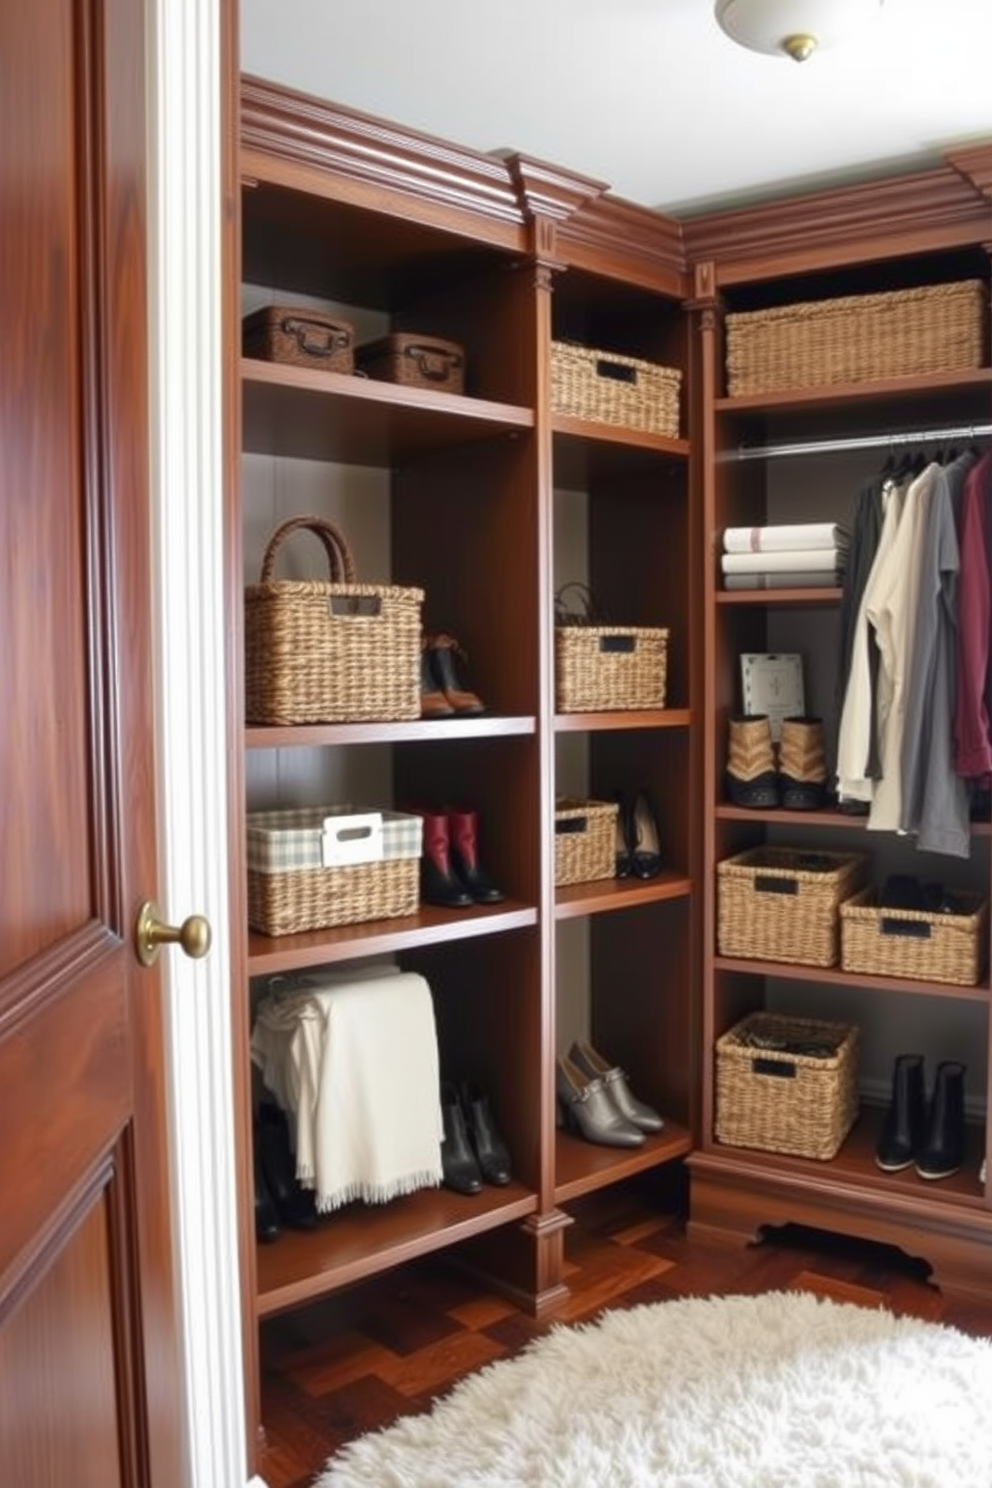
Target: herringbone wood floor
{"points": [[390, 1347]]}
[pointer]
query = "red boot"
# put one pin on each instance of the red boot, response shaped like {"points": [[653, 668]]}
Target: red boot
{"points": [[463, 831], [439, 883]]}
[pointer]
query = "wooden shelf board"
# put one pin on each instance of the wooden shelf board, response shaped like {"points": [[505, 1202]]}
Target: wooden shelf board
{"points": [[590, 432], [842, 395], [855, 1167], [318, 415], [269, 955], [647, 718], [360, 1240], [831, 818], [831, 976], [830, 596], [582, 1167], [604, 894], [310, 735]]}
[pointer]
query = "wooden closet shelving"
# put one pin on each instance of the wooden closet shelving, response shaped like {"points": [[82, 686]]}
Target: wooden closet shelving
{"points": [[479, 499], [923, 229], [492, 500]]}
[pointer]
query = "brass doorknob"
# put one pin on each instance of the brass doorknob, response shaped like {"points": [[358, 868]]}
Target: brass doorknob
{"points": [[150, 934]]}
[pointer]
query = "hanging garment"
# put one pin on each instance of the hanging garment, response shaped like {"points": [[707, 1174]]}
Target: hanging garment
{"points": [[892, 607], [935, 802], [375, 1128], [865, 526], [972, 732], [854, 739]]}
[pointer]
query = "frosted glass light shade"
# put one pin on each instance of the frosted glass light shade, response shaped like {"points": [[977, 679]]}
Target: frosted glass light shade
{"points": [[794, 28]]}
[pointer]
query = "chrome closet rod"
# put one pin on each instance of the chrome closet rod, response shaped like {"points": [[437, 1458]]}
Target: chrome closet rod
{"points": [[861, 441]]}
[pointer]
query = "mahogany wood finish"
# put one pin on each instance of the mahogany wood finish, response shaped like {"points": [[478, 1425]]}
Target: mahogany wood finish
{"points": [[502, 254], [393, 1346], [505, 254], [925, 228], [88, 1349]]}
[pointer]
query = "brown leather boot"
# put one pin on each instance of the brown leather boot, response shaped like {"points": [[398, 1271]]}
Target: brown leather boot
{"points": [[802, 768], [751, 776], [433, 703], [443, 651]]}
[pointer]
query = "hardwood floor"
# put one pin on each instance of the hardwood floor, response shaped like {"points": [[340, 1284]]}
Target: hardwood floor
{"points": [[391, 1346]]}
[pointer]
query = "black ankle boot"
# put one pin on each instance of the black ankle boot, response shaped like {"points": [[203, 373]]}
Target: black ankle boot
{"points": [[459, 1168], [943, 1150], [487, 1144], [904, 1129], [294, 1204], [267, 1226]]}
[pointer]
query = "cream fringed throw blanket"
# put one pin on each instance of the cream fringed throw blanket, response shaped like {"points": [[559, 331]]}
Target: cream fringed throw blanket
{"points": [[356, 1063]]}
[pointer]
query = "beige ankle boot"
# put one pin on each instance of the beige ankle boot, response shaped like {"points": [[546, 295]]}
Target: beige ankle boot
{"points": [[751, 776], [802, 768]]}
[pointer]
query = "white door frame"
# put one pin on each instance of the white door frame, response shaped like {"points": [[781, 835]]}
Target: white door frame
{"points": [[187, 371]]}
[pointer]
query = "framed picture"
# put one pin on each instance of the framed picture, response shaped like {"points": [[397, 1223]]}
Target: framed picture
{"points": [[772, 683]]}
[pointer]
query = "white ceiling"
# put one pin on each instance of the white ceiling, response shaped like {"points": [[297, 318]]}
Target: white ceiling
{"points": [[647, 95]]}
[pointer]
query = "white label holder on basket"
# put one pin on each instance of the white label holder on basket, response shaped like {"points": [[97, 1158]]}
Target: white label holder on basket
{"points": [[358, 838]]}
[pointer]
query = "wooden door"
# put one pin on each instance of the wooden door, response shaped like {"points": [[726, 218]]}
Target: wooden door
{"points": [[88, 1336]]}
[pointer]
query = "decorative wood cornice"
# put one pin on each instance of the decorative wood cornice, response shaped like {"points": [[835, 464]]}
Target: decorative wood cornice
{"points": [[975, 164], [545, 190], [899, 214], [613, 236], [308, 131]]}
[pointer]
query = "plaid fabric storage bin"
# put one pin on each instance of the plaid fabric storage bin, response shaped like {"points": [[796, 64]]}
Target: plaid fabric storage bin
{"points": [[316, 867]]}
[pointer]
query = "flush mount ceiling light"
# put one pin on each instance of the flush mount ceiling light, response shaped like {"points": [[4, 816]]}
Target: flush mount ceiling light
{"points": [[794, 28]]}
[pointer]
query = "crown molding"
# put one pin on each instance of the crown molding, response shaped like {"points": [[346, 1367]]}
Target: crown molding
{"points": [[638, 244], [874, 219], [545, 190], [975, 164], [310, 132]]}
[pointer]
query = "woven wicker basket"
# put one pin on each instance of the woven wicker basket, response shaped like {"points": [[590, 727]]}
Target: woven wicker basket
{"points": [[319, 652], [777, 904], [915, 943], [599, 668], [605, 387], [773, 1096], [303, 338], [414, 361], [291, 888], [859, 338], [585, 840]]}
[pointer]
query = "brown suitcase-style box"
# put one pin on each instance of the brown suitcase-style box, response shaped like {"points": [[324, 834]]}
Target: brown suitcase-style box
{"points": [[414, 361], [301, 337]]}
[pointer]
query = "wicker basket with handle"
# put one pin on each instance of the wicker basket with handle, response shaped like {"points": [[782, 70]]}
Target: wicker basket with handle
{"points": [[332, 651], [601, 667]]}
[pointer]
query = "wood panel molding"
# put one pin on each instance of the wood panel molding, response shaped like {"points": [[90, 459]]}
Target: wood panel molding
{"points": [[545, 190], [975, 164], [638, 244], [873, 219], [311, 132], [30, 1266]]}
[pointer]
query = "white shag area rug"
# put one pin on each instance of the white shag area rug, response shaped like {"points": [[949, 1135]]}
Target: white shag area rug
{"points": [[783, 1390]]}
